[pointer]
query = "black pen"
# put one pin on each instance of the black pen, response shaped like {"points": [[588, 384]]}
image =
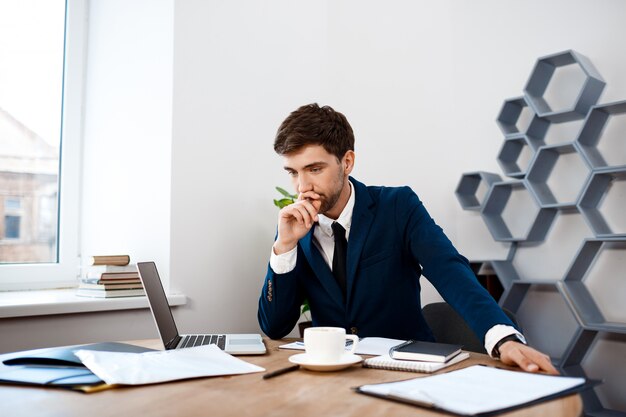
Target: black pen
{"points": [[281, 371]]}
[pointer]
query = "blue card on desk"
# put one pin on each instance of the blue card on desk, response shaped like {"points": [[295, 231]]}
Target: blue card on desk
{"points": [[47, 375]]}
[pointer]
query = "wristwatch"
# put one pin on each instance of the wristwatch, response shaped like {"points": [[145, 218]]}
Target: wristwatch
{"points": [[510, 338]]}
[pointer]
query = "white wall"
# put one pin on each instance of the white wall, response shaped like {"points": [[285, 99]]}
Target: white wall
{"points": [[127, 131], [239, 69], [421, 82]]}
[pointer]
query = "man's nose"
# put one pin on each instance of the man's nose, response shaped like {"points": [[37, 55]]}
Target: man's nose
{"points": [[304, 185]]}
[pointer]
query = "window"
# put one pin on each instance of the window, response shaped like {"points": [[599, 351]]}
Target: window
{"points": [[41, 77], [11, 227], [12, 218]]}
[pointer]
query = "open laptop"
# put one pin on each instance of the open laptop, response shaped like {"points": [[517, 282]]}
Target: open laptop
{"points": [[236, 344]]}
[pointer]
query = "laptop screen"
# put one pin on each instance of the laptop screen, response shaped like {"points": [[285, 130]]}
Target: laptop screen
{"points": [[158, 301]]}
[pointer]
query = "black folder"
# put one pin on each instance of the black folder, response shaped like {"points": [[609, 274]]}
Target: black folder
{"points": [[57, 367]]}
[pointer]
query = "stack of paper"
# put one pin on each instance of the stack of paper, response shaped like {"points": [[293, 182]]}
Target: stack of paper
{"points": [[161, 366], [475, 390]]}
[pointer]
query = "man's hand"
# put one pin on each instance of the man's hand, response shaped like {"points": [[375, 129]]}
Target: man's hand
{"points": [[295, 221], [527, 358]]}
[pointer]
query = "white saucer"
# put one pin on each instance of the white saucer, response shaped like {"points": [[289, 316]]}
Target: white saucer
{"points": [[346, 360]]}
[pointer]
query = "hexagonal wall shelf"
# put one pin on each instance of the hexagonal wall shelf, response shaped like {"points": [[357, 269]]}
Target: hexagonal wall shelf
{"points": [[572, 310], [605, 360], [557, 175], [599, 355], [602, 203], [473, 188], [512, 214], [548, 260], [545, 73], [516, 154], [516, 118], [506, 273], [597, 295], [603, 136], [544, 316]]}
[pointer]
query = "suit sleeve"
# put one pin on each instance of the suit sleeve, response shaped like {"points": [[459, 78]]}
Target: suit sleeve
{"points": [[445, 268], [280, 301]]}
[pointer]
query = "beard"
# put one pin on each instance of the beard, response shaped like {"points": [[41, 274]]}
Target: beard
{"points": [[328, 202]]}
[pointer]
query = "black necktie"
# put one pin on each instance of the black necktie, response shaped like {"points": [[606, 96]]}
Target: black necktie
{"points": [[339, 255]]}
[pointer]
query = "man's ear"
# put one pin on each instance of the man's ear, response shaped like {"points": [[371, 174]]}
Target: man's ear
{"points": [[348, 162]]}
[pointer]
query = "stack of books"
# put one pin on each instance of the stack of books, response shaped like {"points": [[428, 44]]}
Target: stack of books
{"points": [[418, 356], [110, 277]]}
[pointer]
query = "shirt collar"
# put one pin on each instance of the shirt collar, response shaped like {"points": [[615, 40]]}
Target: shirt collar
{"points": [[344, 219]]}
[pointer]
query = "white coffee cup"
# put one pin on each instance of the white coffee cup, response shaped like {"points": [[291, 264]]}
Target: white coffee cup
{"points": [[327, 344]]}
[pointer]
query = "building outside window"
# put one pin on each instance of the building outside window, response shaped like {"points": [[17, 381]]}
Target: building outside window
{"points": [[41, 73]]}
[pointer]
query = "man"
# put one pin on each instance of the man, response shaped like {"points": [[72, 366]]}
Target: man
{"points": [[369, 285]]}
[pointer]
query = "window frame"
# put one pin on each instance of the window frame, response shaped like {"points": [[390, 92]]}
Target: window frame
{"points": [[63, 273]]}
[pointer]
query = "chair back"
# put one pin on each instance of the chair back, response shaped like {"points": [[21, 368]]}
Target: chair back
{"points": [[449, 327]]}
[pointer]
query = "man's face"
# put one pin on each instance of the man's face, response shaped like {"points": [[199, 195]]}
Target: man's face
{"points": [[313, 169]]}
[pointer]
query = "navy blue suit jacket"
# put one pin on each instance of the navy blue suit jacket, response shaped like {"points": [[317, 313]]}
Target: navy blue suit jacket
{"points": [[393, 240]]}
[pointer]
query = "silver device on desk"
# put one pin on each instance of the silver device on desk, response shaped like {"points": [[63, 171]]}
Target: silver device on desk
{"points": [[236, 344]]}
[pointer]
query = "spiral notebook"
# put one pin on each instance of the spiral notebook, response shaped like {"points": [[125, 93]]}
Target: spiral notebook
{"points": [[386, 362]]}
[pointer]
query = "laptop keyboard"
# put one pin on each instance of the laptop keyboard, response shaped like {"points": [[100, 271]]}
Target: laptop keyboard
{"points": [[204, 339]]}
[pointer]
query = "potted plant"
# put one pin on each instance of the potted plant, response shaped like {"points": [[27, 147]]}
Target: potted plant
{"points": [[287, 199]]}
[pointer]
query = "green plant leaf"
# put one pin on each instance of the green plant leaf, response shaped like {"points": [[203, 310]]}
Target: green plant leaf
{"points": [[305, 307], [283, 202], [285, 192]]}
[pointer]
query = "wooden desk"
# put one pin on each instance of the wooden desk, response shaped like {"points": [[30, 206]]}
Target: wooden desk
{"points": [[295, 394]]}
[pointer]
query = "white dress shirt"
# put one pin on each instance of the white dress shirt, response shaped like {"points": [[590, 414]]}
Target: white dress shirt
{"points": [[325, 243]]}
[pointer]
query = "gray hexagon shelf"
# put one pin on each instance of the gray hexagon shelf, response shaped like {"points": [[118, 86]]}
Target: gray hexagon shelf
{"points": [[514, 116], [596, 294], [602, 203], [575, 313], [592, 356], [548, 260], [512, 214], [602, 138], [546, 75], [517, 117], [516, 153], [557, 175], [473, 189], [544, 315], [506, 273]]}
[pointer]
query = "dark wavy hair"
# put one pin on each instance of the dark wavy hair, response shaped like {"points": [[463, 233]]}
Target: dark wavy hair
{"points": [[315, 125]]}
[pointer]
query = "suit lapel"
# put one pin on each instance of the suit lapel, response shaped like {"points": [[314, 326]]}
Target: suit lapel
{"points": [[362, 218], [321, 268]]}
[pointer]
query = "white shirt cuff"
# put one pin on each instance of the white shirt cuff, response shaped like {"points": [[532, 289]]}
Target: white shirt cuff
{"points": [[285, 262], [497, 333]]}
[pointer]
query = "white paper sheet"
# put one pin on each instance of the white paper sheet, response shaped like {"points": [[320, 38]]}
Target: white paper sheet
{"points": [[161, 366], [476, 389], [367, 345]]}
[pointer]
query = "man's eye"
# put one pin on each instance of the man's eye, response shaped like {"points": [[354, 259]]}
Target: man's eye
{"points": [[292, 173], [315, 170]]}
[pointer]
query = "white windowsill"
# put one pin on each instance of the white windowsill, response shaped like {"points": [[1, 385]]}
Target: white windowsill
{"points": [[65, 301]]}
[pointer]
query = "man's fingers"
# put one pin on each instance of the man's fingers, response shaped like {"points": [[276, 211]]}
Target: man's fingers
{"points": [[528, 359], [292, 212], [522, 361], [317, 204], [311, 209], [312, 198], [543, 361], [302, 211], [309, 195]]}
